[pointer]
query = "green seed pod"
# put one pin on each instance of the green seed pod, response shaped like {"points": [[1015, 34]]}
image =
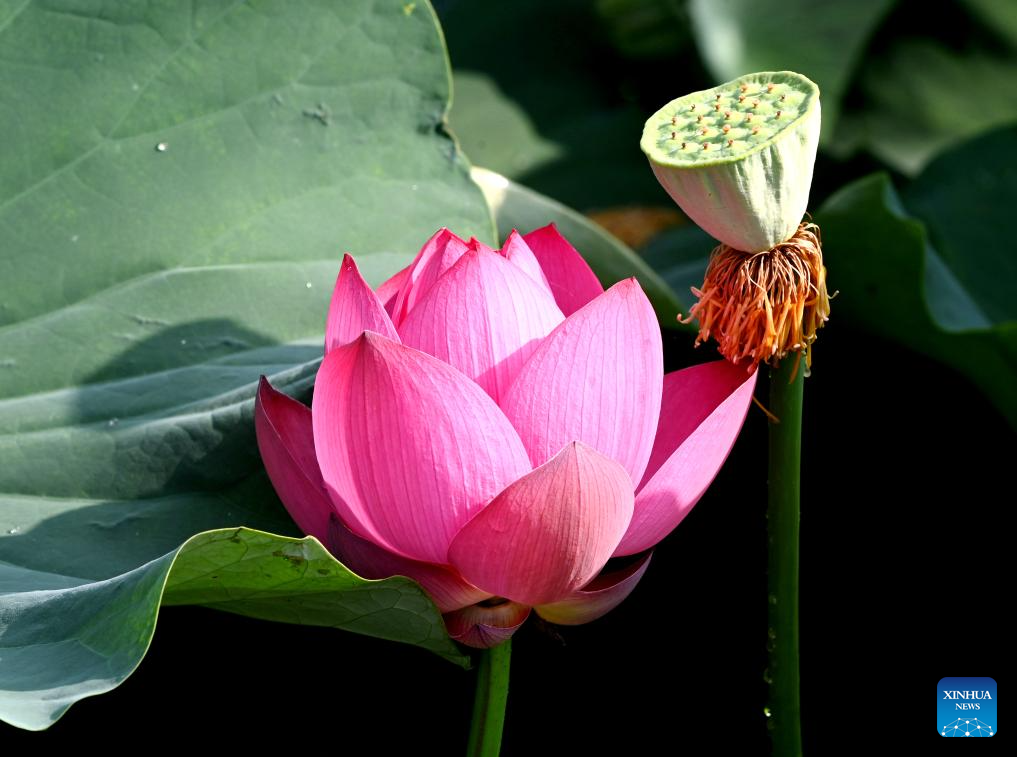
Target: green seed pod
{"points": [[738, 158]]}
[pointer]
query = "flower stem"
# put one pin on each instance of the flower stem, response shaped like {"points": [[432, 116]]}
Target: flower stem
{"points": [[784, 710], [489, 701]]}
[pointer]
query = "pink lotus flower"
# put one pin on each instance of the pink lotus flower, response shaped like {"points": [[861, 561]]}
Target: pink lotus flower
{"points": [[496, 426]]}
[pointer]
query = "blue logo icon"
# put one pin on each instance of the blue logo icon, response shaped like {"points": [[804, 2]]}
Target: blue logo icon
{"points": [[966, 707]]}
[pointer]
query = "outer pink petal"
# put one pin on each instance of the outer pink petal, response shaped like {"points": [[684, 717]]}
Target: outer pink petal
{"points": [[485, 627], [438, 254], [516, 251], [485, 317], [409, 448], [598, 598], [389, 289], [702, 412], [354, 309], [550, 532], [286, 442], [448, 590], [571, 280], [597, 378], [478, 246]]}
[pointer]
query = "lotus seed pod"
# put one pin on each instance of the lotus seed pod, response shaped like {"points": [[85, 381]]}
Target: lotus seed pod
{"points": [[738, 158]]}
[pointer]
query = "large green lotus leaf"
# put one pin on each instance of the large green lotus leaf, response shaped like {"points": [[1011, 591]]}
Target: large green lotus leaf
{"points": [[894, 283], [72, 638], [179, 182], [516, 207], [966, 198], [921, 98], [822, 40]]}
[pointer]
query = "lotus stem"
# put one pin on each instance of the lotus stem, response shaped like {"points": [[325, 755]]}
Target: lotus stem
{"points": [[489, 701], [783, 712]]}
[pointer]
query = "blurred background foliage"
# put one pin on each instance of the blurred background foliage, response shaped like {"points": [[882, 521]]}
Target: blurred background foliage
{"points": [[917, 164]]}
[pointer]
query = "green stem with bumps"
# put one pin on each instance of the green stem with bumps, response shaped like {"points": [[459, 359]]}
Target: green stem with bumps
{"points": [[489, 701], [783, 512]]}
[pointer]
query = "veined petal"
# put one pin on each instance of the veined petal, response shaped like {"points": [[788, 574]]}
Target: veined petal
{"points": [[596, 378], [409, 447], [703, 410], [598, 598], [484, 627], [286, 442], [389, 289], [448, 590], [550, 532], [438, 254], [518, 253], [572, 282], [354, 309], [478, 246], [485, 317]]}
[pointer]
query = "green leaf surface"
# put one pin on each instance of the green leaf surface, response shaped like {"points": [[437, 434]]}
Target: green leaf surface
{"points": [[921, 98], [894, 284], [966, 197], [72, 639], [822, 40], [516, 207], [185, 179]]}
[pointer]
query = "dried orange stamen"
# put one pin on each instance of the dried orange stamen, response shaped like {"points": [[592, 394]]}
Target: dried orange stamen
{"points": [[761, 306]]}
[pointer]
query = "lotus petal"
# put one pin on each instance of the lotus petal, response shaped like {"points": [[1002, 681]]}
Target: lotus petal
{"points": [[572, 281], [389, 289], [438, 254], [597, 598], [703, 410], [286, 443], [446, 587], [354, 309], [485, 626], [549, 533], [596, 378], [410, 449], [485, 317], [518, 253]]}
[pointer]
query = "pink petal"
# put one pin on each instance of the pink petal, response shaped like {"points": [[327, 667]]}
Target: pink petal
{"points": [[550, 532], [389, 289], [438, 254], [597, 378], [485, 317], [286, 442], [571, 280], [516, 251], [701, 414], [448, 590], [354, 309], [410, 449], [476, 245], [484, 627], [598, 598]]}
